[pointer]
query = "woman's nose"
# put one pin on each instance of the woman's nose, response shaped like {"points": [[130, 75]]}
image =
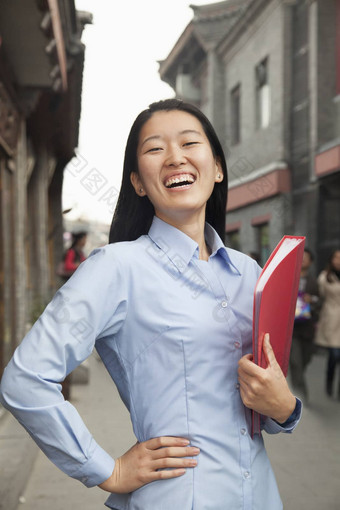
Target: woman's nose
{"points": [[175, 157]]}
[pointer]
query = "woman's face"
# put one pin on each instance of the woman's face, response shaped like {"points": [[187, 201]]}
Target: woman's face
{"points": [[82, 241], [177, 168], [306, 260], [336, 260]]}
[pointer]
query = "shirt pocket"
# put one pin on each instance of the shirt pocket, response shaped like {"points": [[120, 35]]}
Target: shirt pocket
{"points": [[158, 393]]}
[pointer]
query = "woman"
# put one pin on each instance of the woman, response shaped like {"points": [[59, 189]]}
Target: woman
{"points": [[328, 331], [74, 256], [169, 310], [306, 316]]}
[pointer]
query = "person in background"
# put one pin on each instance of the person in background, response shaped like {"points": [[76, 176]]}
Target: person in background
{"points": [[255, 256], [328, 331], [74, 256], [169, 309], [304, 326]]}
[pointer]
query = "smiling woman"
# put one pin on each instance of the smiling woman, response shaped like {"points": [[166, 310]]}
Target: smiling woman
{"points": [[174, 134], [177, 169], [169, 311]]}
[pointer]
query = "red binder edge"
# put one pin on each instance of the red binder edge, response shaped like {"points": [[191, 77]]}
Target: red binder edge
{"points": [[257, 352]]}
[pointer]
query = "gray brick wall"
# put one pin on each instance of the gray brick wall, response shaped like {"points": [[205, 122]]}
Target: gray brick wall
{"points": [[263, 39], [277, 206], [326, 70], [300, 112]]}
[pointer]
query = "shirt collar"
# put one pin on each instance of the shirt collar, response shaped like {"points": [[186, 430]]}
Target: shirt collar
{"points": [[217, 247], [180, 248]]}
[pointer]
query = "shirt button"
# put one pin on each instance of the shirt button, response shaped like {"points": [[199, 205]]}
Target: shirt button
{"points": [[237, 345], [237, 386], [243, 432], [224, 304], [246, 474]]}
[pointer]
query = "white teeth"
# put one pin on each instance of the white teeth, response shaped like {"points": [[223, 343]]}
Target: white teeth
{"points": [[180, 178]]}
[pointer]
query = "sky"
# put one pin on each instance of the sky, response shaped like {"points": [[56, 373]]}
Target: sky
{"points": [[121, 79]]}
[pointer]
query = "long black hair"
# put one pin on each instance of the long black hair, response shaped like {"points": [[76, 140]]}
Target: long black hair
{"points": [[331, 273], [133, 214], [76, 237]]}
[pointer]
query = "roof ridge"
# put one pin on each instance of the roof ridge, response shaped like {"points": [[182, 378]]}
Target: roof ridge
{"points": [[218, 9]]}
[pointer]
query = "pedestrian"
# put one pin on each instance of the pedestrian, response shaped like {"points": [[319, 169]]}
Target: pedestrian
{"points": [[328, 331], [72, 259], [255, 255], [169, 310], [75, 255], [304, 326]]}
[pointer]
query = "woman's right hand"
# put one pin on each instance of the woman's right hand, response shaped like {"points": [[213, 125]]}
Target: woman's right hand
{"points": [[149, 461]]}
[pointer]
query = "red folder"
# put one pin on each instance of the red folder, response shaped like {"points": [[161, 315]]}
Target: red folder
{"points": [[274, 305]]}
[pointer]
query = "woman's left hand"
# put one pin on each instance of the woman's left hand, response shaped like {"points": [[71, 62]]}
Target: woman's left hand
{"points": [[265, 390]]}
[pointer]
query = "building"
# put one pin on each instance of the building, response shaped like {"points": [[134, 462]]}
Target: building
{"points": [[266, 73], [41, 65]]}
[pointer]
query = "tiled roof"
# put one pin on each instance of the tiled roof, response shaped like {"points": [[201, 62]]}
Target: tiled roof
{"points": [[217, 10], [213, 21], [209, 26]]}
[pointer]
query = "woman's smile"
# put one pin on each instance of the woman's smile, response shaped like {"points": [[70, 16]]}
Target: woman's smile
{"points": [[178, 182]]}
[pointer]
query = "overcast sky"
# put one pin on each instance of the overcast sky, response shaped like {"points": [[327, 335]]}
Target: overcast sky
{"points": [[120, 80]]}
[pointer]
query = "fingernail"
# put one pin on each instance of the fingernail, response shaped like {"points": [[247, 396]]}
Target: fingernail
{"points": [[196, 450], [185, 442]]}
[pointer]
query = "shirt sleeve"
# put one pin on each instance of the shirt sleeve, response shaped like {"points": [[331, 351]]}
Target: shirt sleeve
{"points": [[64, 336], [273, 427]]}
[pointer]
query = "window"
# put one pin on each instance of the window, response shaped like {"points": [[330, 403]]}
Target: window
{"points": [[235, 98], [263, 242], [233, 240], [262, 95]]}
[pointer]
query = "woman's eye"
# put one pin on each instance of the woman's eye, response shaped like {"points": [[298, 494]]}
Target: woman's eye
{"points": [[190, 143], [154, 149]]}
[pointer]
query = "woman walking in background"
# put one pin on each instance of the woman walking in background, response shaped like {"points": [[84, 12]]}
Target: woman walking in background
{"points": [[306, 316], [75, 255], [72, 259], [328, 331]]}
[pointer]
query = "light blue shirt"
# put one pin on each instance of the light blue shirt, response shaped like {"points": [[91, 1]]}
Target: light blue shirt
{"points": [[170, 329]]}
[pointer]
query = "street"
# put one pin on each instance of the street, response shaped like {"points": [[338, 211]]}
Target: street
{"points": [[306, 464]]}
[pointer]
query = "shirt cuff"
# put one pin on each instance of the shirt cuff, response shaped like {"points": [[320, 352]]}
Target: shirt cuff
{"points": [[273, 427], [97, 469]]}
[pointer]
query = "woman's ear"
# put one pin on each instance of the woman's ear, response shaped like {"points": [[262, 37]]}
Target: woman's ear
{"points": [[219, 172], [137, 184]]}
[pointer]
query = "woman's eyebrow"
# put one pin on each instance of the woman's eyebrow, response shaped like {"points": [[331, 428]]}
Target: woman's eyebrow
{"points": [[188, 131], [153, 137]]}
